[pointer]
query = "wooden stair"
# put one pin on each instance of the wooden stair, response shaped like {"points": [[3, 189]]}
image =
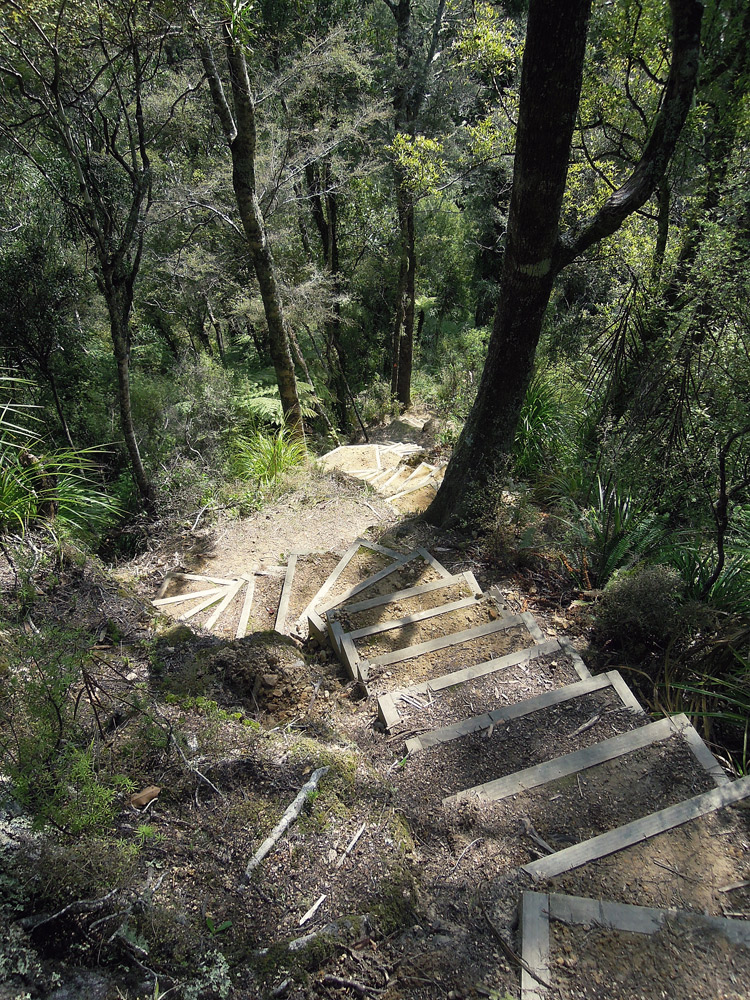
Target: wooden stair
{"points": [[396, 619]]}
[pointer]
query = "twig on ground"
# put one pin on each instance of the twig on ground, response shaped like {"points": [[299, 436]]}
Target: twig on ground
{"points": [[195, 770], [509, 953], [587, 725], [287, 819], [78, 906], [529, 830], [360, 988], [351, 845], [465, 851]]}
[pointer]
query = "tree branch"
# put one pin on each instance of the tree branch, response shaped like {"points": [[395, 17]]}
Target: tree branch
{"points": [[638, 188]]}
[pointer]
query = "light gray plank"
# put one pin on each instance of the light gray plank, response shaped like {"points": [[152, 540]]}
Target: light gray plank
{"points": [[535, 944], [479, 722], [181, 598], [482, 669], [640, 829], [532, 625], [454, 639], [418, 616], [640, 919], [357, 588], [226, 601], [627, 697], [578, 665], [570, 763], [246, 607], [387, 711], [286, 593], [423, 588], [186, 615], [436, 564], [704, 756]]}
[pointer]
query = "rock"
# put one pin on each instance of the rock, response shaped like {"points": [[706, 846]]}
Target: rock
{"points": [[271, 680], [141, 799]]}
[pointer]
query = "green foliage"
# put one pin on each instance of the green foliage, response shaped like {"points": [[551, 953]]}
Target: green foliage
{"points": [[420, 161], [613, 532], [541, 434], [265, 456], [33, 486], [46, 746], [640, 608]]}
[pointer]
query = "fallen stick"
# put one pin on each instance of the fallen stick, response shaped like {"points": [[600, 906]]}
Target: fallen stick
{"points": [[351, 845], [350, 984], [312, 911], [286, 820]]}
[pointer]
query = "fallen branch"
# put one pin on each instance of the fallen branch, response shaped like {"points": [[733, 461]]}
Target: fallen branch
{"points": [[587, 725], [286, 820], [78, 906], [351, 984], [351, 845], [509, 953], [530, 831]]}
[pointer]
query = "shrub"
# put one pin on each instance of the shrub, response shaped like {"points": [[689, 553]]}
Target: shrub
{"points": [[264, 457], [641, 608]]}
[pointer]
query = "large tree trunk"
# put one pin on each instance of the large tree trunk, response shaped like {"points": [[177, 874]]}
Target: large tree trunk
{"points": [[535, 253], [550, 91]]}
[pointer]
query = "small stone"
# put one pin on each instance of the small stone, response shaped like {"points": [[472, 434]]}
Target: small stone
{"points": [[271, 680]]}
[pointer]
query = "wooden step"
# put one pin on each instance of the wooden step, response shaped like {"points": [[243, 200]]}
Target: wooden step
{"points": [[387, 607], [426, 660], [486, 724], [727, 793], [599, 753], [408, 569], [384, 642], [596, 917], [502, 680]]}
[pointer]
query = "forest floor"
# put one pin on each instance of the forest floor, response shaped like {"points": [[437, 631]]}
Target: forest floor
{"points": [[407, 901]]}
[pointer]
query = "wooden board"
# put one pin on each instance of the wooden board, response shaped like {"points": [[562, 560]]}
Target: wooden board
{"points": [[572, 763], [638, 830], [246, 607], [286, 593], [535, 943]]}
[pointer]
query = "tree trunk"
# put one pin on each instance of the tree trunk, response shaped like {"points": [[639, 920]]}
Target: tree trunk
{"points": [[535, 253], [406, 345], [119, 302], [240, 132]]}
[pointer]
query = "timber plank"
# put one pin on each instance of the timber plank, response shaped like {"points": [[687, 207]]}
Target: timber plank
{"points": [[640, 829], [571, 763]]}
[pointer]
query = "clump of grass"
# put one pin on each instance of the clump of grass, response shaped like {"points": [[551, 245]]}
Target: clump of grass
{"points": [[264, 457]]}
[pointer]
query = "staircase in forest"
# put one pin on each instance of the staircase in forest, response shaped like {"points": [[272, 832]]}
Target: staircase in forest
{"points": [[517, 734]]}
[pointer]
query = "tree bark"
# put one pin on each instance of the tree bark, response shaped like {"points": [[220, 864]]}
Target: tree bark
{"points": [[240, 132], [535, 252]]}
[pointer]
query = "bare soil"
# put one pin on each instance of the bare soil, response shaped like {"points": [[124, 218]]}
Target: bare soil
{"points": [[449, 659], [436, 627], [684, 960], [483, 694]]}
